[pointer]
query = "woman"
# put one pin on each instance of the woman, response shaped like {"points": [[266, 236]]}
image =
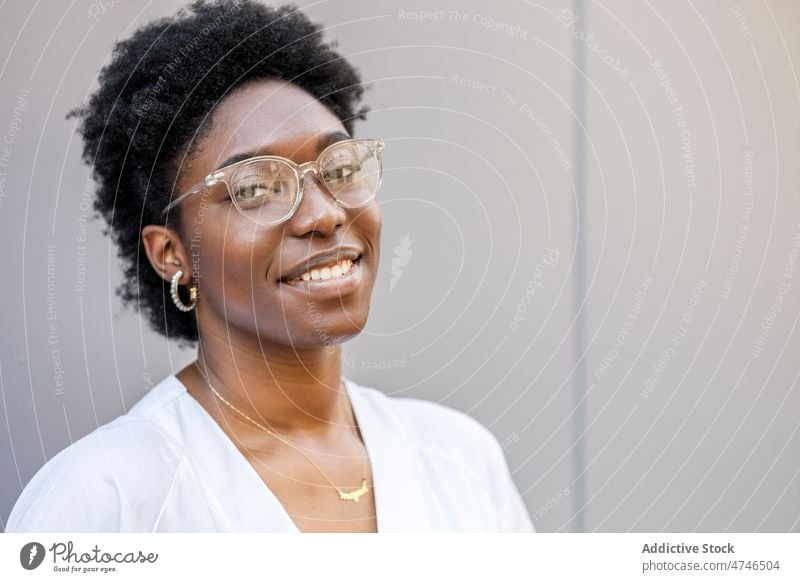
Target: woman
{"points": [[221, 142]]}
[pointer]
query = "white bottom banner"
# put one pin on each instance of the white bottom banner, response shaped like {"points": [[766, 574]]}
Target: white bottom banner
{"points": [[401, 557]]}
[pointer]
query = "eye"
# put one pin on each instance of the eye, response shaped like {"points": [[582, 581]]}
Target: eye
{"points": [[340, 172], [260, 190]]}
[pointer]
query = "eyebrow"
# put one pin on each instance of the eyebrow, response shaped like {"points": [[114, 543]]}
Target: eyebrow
{"points": [[322, 142]]}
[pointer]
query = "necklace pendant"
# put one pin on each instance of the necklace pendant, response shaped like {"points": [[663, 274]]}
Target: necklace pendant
{"points": [[354, 495]]}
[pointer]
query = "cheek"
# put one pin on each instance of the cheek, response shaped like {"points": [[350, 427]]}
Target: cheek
{"points": [[237, 257], [376, 224], [369, 223]]}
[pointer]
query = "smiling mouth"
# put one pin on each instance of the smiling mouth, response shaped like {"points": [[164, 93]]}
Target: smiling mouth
{"points": [[332, 274]]}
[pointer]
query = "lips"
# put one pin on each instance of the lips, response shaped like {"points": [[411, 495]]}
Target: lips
{"points": [[336, 288], [322, 259]]}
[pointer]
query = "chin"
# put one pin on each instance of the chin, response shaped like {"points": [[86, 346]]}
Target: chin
{"points": [[346, 325], [313, 328]]}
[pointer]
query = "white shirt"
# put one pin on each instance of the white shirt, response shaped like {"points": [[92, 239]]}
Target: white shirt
{"points": [[167, 466]]}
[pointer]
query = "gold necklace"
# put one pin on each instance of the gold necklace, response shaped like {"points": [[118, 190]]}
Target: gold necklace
{"points": [[346, 496]]}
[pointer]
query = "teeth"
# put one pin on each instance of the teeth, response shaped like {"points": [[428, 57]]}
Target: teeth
{"points": [[331, 271]]}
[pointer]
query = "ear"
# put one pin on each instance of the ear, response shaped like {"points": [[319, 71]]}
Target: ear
{"points": [[166, 252]]}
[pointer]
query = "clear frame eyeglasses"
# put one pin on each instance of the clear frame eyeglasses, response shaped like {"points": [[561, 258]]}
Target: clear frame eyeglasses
{"points": [[269, 189]]}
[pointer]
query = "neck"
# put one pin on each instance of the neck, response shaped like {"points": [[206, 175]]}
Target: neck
{"points": [[290, 390]]}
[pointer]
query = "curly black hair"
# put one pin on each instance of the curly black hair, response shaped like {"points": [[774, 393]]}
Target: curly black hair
{"points": [[156, 98]]}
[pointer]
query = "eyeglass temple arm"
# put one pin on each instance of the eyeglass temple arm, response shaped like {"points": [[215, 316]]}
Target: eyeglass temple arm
{"points": [[197, 188]]}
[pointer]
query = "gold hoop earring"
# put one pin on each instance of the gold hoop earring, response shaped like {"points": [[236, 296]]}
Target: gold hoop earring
{"points": [[173, 291]]}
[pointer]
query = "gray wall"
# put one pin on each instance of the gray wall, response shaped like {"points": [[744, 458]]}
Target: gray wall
{"points": [[599, 228]]}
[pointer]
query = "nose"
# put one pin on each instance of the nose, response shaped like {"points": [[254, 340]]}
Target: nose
{"points": [[318, 210]]}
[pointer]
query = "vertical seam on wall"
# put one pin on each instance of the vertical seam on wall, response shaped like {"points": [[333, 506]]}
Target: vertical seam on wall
{"points": [[579, 337]]}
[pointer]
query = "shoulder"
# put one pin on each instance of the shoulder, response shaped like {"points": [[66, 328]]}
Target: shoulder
{"points": [[112, 479], [439, 430], [460, 449], [440, 425]]}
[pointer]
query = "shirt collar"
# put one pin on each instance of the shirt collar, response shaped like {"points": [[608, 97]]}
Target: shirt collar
{"points": [[251, 506]]}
